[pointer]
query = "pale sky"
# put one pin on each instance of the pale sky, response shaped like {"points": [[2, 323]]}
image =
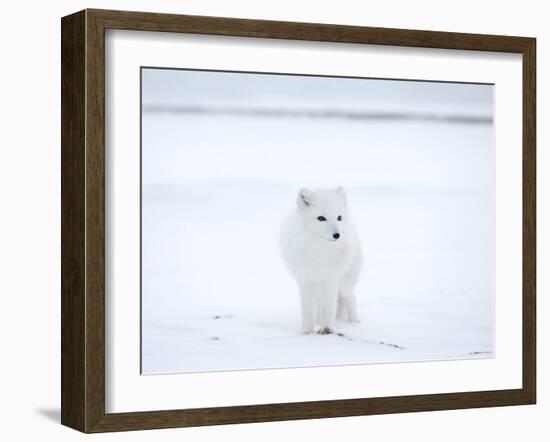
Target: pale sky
{"points": [[185, 87]]}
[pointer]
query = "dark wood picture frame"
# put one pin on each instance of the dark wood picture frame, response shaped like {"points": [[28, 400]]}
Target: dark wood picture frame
{"points": [[83, 220]]}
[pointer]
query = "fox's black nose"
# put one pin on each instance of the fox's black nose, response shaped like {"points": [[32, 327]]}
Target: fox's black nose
{"points": [[336, 235]]}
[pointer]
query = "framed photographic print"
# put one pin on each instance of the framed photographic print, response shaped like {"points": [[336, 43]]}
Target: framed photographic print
{"points": [[271, 220]]}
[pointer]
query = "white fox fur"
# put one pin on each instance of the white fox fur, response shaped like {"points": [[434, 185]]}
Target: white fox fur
{"points": [[322, 251]]}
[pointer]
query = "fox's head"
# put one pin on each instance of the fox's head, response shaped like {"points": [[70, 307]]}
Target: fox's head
{"points": [[324, 212]]}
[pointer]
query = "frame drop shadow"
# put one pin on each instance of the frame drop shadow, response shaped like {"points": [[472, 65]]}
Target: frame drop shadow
{"points": [[51, 414]]}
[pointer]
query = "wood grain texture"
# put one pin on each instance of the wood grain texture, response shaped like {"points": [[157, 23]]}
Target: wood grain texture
{"points": [[529, 221], [95, 221], [73, 128], [308, 410], [145, 21], [83, 220]]}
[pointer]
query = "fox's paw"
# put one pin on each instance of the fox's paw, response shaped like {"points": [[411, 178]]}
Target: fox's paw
{"points": [[325, 331]]}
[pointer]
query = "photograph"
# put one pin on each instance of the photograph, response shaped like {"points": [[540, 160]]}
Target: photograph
{"points": [[293, 220]]}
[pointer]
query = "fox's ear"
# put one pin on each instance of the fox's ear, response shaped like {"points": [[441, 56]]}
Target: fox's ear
{"points": [[304, 199], [340, 191]]}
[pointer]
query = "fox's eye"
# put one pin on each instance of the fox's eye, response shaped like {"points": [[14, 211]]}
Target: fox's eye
{"points": [[321, 218], [339, 218]]}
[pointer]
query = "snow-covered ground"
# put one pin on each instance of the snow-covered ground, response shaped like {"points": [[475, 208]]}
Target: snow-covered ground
{"points": [[215, 292]]}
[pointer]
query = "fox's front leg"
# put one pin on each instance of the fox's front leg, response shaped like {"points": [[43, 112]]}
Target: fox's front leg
{"points": [[346, 298], [341, 310], [346, 295], [328, 297], [308, 309]]}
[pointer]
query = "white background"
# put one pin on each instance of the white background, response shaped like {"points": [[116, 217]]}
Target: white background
{"points": [[29, 174]]}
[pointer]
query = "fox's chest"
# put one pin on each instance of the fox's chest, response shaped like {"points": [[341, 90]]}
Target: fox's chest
{"points": [[328, 258]]}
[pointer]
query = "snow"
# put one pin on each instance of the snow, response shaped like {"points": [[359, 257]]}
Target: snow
{"points": [[216, 189]]}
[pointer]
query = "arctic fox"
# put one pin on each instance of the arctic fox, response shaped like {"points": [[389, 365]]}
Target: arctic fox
{"points": [[321, 249]]}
